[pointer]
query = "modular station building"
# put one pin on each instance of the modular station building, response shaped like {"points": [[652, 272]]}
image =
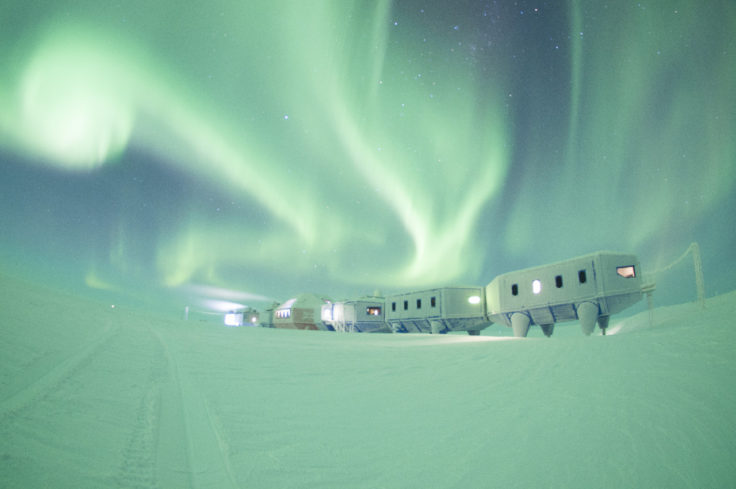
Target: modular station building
{"points": [[302, 312], [364, 315], [589, 288], [246, 317], [438, 311]]}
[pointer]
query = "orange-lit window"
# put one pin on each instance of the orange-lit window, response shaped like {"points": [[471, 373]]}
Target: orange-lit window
{"points": [[373, 311], [626, 272]]}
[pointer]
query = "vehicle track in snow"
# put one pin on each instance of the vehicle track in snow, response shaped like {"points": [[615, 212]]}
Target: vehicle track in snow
{"points": [[190, 423], [140, 457]]}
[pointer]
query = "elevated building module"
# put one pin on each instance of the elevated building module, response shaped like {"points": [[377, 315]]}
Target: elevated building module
{"points": [[365, 315], [246, 317], [588, 288], [438, 311]]}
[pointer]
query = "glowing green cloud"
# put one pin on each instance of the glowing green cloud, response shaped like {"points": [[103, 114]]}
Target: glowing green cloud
{"points": [[371, 144], [648, 122], [69, 107], [432, 150], [358, 158]]}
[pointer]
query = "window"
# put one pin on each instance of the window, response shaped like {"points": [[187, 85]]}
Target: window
{"points": [[419, 303], [406, 305], [558, 281], [515, 289], [393, 306], [582, 276], [283, 313], [536, 286], [373, 310], [626, 272], [327, 314], [433, 302]]}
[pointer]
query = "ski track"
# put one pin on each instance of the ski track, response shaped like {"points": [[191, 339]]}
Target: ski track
{"points": [[55, 377]]}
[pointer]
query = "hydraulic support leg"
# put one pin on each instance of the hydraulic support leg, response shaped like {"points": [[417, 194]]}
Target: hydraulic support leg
{"points": [[547, 329], [520, 324], [587, 314]]}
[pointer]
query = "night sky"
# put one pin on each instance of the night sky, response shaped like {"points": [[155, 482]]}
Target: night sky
{"points": [[250, 151]]}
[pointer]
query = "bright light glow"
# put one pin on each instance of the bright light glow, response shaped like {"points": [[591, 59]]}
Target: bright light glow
{"points": [[536, 286], [474, 299], [220, 305], [224, 294], [327, 312], [234, 319]]}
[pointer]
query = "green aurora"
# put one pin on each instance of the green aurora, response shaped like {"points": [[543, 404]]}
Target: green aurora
{"points": [[342, 146]]}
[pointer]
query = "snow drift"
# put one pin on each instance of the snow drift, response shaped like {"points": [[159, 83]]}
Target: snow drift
{"points": [[96, 396]]}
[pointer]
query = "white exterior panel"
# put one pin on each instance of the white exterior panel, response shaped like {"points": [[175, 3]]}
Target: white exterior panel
{"points": [[554, 293]]}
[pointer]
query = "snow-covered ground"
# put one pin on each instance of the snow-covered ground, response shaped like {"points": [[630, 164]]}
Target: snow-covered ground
{"points": [[95, 396]]}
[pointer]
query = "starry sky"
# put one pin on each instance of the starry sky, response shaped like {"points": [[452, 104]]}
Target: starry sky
{"points": [[249, 151]]}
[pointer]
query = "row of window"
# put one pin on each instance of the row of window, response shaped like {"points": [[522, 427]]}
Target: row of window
{"points": [[283, 313], [432, 303], [626, 272], [537, 284]]}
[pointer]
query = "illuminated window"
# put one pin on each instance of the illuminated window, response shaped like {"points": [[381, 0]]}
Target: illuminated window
{"points": [[326, 314], [626, 272], [515, 289], [283, 313], [433, 302], [536, 287], [474, 299], [406, 305], [582, 276], [419, 303], [373, 311], [558, 281]]}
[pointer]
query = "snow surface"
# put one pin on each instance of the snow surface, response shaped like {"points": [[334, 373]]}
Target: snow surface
{"points": [[96, 396]]}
